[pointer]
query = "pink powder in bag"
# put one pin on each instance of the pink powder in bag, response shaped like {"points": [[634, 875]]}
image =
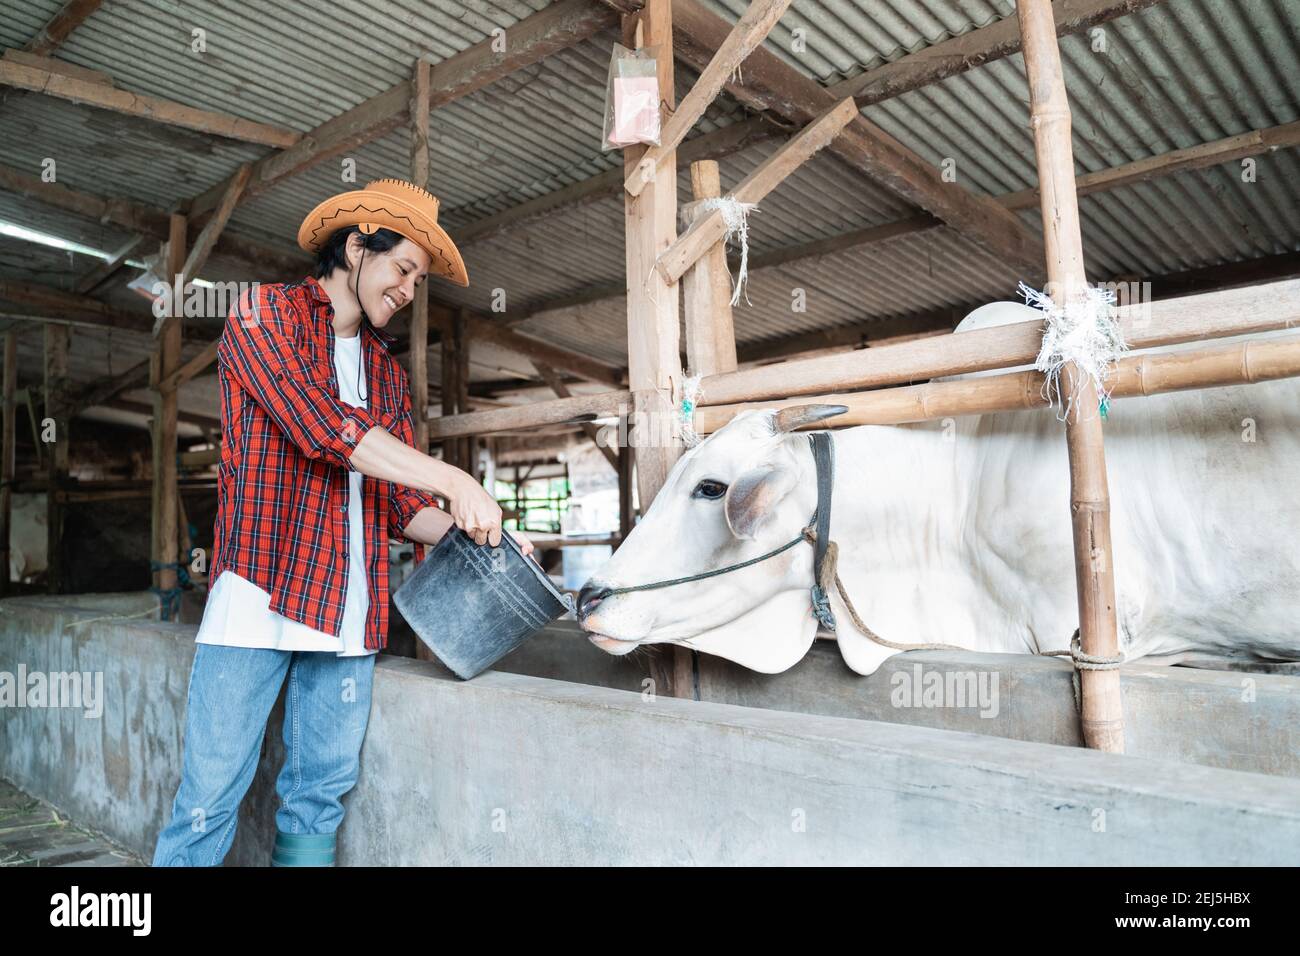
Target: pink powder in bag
{"points": [[636, 110]]}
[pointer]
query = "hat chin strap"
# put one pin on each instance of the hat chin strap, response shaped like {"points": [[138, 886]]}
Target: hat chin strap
{"points": [[361, 352]]}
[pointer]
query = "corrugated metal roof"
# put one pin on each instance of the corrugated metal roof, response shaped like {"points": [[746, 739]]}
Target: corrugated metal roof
{"points": [[1178, 74]]}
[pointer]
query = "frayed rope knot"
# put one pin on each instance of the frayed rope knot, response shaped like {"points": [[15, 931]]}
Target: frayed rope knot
{"points": [[686, 404], [1084, 332], [736, 216], [1084, 662]]}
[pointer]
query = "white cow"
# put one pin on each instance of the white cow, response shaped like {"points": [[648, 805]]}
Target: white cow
{"points": [[959, 533]]}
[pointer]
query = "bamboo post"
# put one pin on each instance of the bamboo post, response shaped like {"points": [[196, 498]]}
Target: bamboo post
{"points": [[165, 361], [8, 444], [56, 382], [1102, 717], [420, 304]]}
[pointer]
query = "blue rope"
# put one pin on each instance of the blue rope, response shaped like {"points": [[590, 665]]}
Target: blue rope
{"points": [[169, 599]]}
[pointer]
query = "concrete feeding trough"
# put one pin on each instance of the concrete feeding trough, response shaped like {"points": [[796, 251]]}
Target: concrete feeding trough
{"points": [[565, 745]]}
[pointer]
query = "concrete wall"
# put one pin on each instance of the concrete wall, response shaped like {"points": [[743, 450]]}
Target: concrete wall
{"points": [[1238, 721], [512, 769]]}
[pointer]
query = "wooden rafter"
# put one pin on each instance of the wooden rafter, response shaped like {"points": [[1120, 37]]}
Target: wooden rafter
{"points": [[1201, 156], [976, 48], [554, 28], [708, 230], [60, 26], [774, 84], [750, 30], [139, 218], [103, 96]]}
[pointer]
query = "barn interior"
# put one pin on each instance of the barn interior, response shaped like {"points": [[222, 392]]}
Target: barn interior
{"points": [[890, 177]]}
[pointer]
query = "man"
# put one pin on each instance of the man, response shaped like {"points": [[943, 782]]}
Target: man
{"points": [[317, 470]]}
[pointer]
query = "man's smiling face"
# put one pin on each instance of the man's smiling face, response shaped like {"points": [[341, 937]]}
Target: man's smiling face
{"points": [[388, 279]]}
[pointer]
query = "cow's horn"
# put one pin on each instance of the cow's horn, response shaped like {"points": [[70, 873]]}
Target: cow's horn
{"points": [[796, 416]]}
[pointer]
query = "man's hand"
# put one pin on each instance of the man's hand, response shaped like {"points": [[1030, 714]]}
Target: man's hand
{"points": [[475, 511]]}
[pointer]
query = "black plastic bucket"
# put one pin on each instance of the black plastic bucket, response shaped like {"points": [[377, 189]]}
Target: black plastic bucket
{"points": [[473, 604]]}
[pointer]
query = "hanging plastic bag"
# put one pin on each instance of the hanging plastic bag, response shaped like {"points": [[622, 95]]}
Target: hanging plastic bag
{"points": [[631, 98], [146, 283]]}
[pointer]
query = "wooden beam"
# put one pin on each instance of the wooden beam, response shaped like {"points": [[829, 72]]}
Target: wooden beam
{"points": [[8, 444], [418, 337], [22, 77], [109, 267], [771, 83], [452, 345], [710, 229], [556, 384], [52, 65], [653, 334], [1196, 157], [713, 145], [710, 331], [71, 307], [750, 30], [1176, 161], [191, 368], [60, 26], [1102, 709], [166, 359], [976, 48], [654, 363], [554, 28], [575, 410], [56, 383], [211, 232], [101, 390], [140, 218], [594, 370]]}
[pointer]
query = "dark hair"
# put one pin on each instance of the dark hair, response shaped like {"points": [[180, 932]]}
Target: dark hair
{"points": [[333, 254]]}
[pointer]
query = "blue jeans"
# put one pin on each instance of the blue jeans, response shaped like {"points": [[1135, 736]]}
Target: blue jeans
{"points": [[231, 693]]}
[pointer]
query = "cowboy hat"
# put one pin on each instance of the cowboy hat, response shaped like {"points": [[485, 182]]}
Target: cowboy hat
{"points": [[393, 204]]}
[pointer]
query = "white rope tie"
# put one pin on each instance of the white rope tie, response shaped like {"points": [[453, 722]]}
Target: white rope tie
{"points": [[1084, 332], [736, 216]]}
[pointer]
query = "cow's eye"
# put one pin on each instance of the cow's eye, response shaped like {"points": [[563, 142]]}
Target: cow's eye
{"points": [[708, 488]]}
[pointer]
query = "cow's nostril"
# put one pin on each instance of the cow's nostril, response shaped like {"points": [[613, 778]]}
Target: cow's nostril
{"points": [[590, 596]]}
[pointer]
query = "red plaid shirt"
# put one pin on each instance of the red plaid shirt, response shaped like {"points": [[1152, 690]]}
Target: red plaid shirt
{"points": [[282, 518]]}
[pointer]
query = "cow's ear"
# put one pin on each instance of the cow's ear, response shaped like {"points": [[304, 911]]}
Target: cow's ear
{"points": [[752, 498]]}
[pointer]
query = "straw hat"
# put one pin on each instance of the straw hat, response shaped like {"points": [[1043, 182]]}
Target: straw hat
{"points": [[406, 209]]}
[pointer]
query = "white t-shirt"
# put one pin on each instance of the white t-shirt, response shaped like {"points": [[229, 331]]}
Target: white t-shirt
{"points": [[238, 612]]}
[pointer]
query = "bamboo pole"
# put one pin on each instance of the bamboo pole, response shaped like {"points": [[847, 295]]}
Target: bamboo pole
{"points": [[1236, 363], [1167, 322], [1102, 706]]}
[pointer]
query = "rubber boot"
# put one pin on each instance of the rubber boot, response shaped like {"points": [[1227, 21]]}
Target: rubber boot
{"points": [[304, 849]]}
